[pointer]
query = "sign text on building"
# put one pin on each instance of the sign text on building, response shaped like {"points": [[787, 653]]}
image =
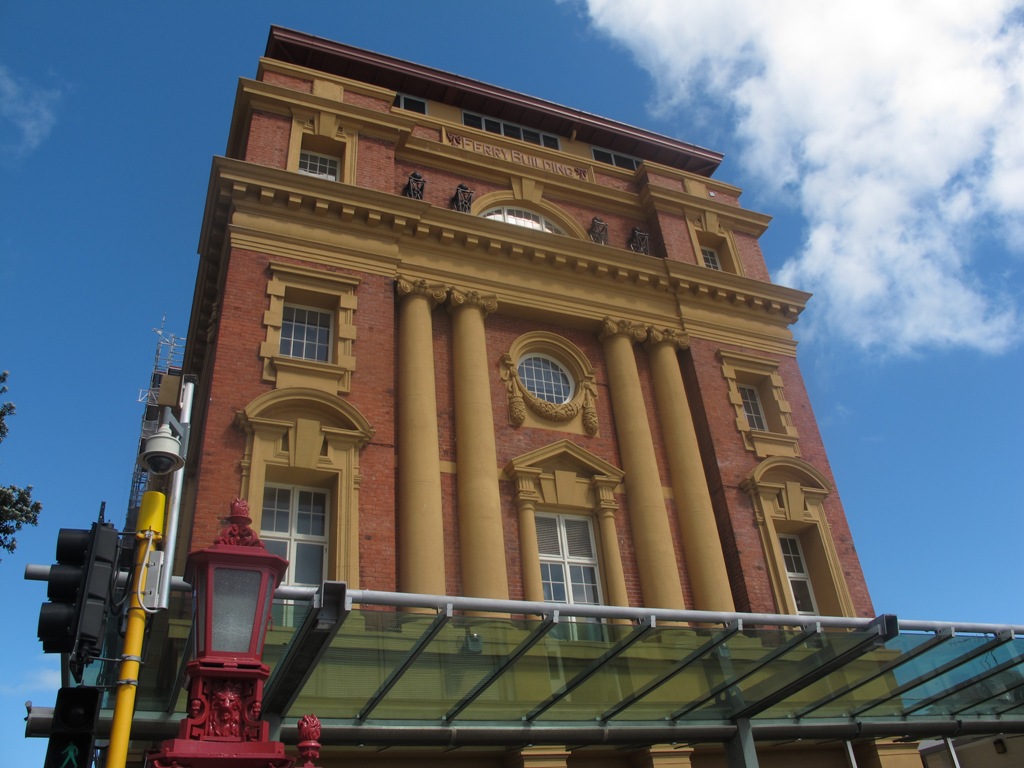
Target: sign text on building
{"points": [[515, 156]]}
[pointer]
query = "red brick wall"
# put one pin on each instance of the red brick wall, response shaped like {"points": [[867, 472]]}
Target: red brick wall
{"points": [[268, 139], [750, 256], [375, 164], [363, 100], [288, 81], [235, 381], [727, 462]]}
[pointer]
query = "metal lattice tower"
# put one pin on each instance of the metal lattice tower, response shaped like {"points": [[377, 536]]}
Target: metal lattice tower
{"points": [[170, 350]]}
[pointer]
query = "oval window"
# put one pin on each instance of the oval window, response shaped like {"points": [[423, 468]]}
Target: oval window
{"points": [[546, 379]]}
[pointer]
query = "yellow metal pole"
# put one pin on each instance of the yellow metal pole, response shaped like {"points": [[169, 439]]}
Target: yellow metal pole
{"points": [[150, 531]]}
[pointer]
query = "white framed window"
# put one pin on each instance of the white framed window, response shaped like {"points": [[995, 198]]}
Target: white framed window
{"points": [[306, 333], [547, 379], [523, 218], [711, 260], [294, 526], [752, 408], [511, 130], [568, 559], [613, 158], [322, 166], [410, 103], [799, 579]]}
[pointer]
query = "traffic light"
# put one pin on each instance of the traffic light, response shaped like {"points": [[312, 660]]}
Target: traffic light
{"points": [[73, 730], [79, 588]]}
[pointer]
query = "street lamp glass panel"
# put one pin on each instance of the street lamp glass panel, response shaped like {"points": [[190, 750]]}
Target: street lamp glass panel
{"points": [[236, 597]]}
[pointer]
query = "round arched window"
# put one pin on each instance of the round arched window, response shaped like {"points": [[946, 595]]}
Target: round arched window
{"points": [[546, 379], [523, 218]]}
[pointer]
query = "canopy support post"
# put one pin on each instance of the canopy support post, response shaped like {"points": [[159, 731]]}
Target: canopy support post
{"points": [[740, 750]]}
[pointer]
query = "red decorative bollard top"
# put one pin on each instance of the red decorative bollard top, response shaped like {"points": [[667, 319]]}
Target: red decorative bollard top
{"points": [[309, 740]]}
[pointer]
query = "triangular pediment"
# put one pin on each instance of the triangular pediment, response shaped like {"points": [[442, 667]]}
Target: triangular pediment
{"points": [[563, 456]]}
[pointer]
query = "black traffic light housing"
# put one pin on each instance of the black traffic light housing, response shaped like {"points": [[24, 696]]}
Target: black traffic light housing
{"points": [[73, 730], [80, 588]]}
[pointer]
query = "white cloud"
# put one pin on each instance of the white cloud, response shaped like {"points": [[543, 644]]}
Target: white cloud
{"points": [[895, 124], [32, 680], [27, 114]]}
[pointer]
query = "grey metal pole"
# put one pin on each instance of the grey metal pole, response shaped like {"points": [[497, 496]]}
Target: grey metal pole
{"points": [[174, 502], [952, 752]]}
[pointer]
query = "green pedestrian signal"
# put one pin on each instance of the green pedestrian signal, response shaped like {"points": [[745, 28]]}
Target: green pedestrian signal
{"points": [[73, 729]]}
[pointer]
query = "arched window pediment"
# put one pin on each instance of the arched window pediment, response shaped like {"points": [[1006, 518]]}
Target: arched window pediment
{"points": [[288, 405], [528, 209]]}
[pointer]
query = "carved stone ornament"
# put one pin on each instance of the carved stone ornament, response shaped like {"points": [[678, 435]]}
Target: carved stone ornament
{"points": [[520, 398], [678, 339], [239, 532], [634, 331], [488, 303], [433, 292]]}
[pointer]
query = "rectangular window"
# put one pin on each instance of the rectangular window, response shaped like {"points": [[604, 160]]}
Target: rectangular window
{"points": [[752, 408], [294, 526], [410, 103], [321, 166], [711, 260], [306, 333], [511, 130], [613, 158], [799, 579], [568, 568], [568, 560]]}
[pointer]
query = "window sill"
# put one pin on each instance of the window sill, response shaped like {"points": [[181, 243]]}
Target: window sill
{"points": [[332, 378], [766, 444]]}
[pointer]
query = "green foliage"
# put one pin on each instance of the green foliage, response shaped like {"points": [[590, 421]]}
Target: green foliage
{"points": [[16, 506]]}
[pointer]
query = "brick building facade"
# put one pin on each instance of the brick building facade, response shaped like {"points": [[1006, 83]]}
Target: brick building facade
{"points": [[451, 339]]}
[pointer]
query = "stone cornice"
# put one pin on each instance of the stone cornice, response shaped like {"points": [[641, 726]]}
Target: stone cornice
{"points": [[535, 274], [279, 99]]}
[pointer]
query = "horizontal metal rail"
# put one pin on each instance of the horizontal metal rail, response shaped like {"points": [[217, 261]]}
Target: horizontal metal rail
{"points": [[146, 726]]}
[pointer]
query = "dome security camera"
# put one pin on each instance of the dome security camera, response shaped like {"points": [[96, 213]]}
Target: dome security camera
{"points": [[161, 453]]}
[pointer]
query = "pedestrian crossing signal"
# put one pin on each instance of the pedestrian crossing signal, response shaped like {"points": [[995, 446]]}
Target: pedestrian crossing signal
{"points": [[73, 729]]}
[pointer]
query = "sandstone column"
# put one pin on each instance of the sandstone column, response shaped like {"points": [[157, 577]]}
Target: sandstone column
{"points": [[529, 556], [702, 547], [652, 535], [614, 576], [481, 535], [420, 535]]}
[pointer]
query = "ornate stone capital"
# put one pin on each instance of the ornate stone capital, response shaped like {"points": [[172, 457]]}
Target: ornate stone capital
{"points": [[678, 339], [458, 298], [635, 332], [435, 293], [604, 487]]}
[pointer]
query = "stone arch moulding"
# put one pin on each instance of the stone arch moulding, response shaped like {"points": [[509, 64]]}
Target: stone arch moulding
{"points": [[788, 495], [564, 478], [308, 437], [528, 194], [579, 414]]}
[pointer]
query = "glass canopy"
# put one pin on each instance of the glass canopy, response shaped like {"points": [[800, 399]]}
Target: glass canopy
{"points": [[391, 668]]}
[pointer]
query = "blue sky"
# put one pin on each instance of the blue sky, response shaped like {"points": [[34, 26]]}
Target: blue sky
{"points": [[895, 174]]}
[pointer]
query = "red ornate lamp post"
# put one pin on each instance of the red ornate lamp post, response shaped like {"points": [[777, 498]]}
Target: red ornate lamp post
{"points": [[233, 585]]}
